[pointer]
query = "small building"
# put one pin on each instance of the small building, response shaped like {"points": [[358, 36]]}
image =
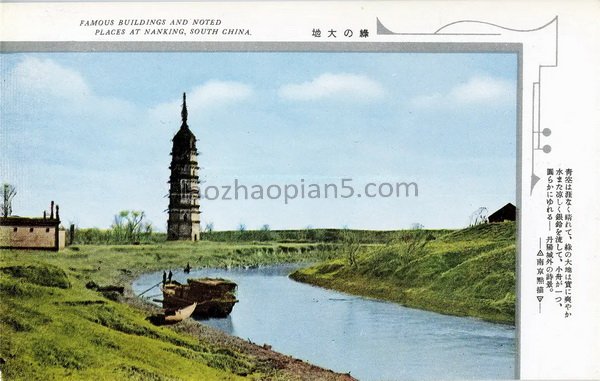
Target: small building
{"points": [[507, 213], [32, 233]]}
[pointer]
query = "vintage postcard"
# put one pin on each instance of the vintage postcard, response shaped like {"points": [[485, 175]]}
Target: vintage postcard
{"points": [[387, 190]]}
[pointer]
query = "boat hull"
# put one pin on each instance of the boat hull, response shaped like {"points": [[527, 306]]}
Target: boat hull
{"points": [[213, 297], [206, 308], [180, 314]]}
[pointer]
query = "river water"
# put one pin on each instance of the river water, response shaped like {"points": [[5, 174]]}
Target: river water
{"points": [[372, 340]]}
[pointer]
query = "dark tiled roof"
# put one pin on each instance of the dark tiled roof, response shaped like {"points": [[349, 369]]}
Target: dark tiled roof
{"points": [[507, 212], [28, 221]]}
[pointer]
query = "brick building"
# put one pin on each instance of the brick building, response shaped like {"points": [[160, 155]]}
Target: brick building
{"points": [[42, 233]]}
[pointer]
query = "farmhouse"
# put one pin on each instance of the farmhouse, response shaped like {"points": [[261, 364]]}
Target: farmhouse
{"points": [[507, 213], [41, 233]]}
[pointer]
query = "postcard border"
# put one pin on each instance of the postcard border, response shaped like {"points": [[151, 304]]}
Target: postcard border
{"points": [[9, 47]]}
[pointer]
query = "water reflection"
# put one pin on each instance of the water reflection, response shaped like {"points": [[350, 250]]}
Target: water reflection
{"points": [[371, 339]]}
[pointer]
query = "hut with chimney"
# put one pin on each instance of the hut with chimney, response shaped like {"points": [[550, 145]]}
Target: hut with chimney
{"points": [[33, 233]]}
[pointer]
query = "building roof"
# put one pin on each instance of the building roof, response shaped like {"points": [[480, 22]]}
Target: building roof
{"points": [[28, 221], [507, 212]]}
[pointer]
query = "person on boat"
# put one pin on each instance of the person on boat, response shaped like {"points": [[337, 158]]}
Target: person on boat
{"points": [[170, 276], [164, 278]]}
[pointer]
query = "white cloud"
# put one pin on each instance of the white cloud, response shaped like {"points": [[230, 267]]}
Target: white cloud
{"points": [[477, 90], [49, 78], [215, 93], [38, 82], [340, 86], [483, 89], [48, 100], [206, 96]]}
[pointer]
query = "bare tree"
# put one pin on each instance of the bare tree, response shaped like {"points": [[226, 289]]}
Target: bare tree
{"points": [[129, 225], [478, 217], [134, 225], [118, 225], [265, 233], [8, 193], [350, 246]]}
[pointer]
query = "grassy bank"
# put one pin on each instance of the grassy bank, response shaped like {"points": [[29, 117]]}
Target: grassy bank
{"points": [[305, 236], [94, 236], [53, 327], [468, 272]]}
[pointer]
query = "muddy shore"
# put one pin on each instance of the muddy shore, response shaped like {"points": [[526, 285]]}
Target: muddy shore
{"points": [[273, 365]]}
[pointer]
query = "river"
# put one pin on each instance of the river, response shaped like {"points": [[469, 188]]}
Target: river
{"points": [[372, 340]]}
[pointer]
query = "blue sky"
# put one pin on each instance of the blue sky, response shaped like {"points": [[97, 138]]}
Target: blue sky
{"points": [[92, 131]]}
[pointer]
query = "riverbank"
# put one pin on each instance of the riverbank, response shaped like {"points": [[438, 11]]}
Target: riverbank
{"points": [[53, 327], [368, 338], [469, 272]]}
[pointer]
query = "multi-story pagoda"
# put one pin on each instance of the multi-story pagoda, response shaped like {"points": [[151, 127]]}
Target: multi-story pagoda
{"points": [[184, 192]]}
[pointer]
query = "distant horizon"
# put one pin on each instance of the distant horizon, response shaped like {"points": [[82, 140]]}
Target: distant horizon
{"points": [[307, 228], [92, 131]]}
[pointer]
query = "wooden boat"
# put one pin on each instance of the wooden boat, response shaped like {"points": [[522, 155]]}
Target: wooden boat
{"points": [[214, 297], [177, 315]]}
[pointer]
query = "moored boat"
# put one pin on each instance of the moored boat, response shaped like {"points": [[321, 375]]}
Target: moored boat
{"points": [[214, 297], [177, 315]]}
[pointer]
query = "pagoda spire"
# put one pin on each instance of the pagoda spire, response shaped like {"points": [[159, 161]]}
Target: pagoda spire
{"points": [[184, 113], [184, 196]]}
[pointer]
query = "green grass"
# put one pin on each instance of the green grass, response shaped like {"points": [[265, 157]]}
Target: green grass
{"points": [[310, 235], [53, 328], [95, 236], [56, 333], [469, 272]]}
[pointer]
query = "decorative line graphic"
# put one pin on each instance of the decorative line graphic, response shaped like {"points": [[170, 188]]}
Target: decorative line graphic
{"points": [[536, 123], [536, 128], [382, 30]]}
